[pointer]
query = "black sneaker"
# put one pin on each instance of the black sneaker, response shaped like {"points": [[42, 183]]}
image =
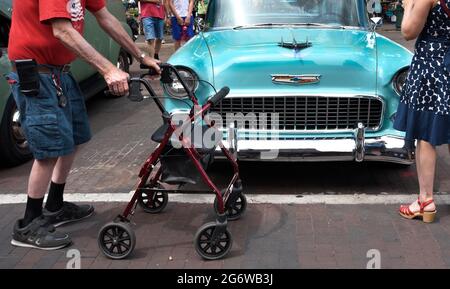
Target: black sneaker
{"points": [[68, 213], [39, 235]]}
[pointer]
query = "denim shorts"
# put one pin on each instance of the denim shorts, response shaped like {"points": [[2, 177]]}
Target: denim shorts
{"points": [[177, 29], [52, 131], [153, 28]]}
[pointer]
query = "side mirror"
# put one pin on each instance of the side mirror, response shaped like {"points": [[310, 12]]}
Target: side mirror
{"points": [[377, 22]]}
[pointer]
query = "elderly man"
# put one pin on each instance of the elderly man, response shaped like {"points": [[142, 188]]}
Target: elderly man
{"points": [[45, 37]]}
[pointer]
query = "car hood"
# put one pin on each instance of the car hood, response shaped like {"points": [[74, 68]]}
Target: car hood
{"points": [[245, 60]]}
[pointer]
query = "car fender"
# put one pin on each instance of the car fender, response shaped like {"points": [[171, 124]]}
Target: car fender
{"points": [[196, 56], [392, 58]]}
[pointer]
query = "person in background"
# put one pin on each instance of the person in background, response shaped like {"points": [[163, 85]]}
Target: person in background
{"points": [[424, 109], [202, 7], [153, 15], [182, 20]]}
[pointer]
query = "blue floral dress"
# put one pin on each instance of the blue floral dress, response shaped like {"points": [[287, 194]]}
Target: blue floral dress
{"points": [[424, 110]]}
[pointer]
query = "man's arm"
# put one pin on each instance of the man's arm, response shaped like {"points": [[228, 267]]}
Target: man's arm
{"points": [[415, 17], [116, 79], [167, 10], [114, 28]]}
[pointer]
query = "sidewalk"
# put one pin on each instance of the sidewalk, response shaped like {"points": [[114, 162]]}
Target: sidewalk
{"points": [[269, 236]]}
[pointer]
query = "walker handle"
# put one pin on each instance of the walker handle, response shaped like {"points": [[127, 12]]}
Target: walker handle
{"points": [[219, 96]]}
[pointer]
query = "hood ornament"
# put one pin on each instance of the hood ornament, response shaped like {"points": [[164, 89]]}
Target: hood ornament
{"points": [[296, 79], [294, 44]]}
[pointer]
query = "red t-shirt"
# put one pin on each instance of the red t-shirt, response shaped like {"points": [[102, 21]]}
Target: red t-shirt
{"points": [[31, 35], [152, 10]]}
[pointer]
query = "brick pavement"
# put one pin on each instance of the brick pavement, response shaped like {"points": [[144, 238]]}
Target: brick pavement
{"points": [[269, 236]]}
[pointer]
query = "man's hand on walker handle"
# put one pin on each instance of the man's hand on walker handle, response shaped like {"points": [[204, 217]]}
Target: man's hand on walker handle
{"points": [[152, 63], [117, 81]]}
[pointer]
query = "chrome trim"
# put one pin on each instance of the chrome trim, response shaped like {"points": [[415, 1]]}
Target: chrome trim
{"points": [[294, 79], [232, 138], [195, 78], [360, 136], [342, 27], [395, 78], [380, 149], [324, 95], [180, 111]]}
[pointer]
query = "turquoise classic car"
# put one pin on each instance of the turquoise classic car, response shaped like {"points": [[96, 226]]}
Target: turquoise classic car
{"points": [[13, 145], [310, 80]]}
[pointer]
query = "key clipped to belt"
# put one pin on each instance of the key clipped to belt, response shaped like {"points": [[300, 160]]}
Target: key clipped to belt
{"points": [[62, 99]]}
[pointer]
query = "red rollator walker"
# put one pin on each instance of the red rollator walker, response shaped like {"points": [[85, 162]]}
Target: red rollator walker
{"points": [[178, 167]]}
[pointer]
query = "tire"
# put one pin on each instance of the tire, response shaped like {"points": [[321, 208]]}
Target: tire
{"points": [[153, 203], [116, 240], [233, 211], [14, 148], [210, 249], [123, 62]]}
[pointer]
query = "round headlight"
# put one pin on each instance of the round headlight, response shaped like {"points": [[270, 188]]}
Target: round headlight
{"points": [[176, 89], [400, 80]]}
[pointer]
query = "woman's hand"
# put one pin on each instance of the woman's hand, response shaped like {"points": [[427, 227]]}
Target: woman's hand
{"points": [[153, 63], [415, 18]]}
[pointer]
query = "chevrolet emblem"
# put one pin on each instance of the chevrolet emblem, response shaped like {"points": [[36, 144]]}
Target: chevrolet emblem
{"points": [[296, 79]]}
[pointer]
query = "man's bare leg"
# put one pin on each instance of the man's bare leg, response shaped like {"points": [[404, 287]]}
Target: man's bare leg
{"points": [[158, 45], [40, 176], [63, 167], [177, 45], [60, 174], [151, 47], [56, 210]]}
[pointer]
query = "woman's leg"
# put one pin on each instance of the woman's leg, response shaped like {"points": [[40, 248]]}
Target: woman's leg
{"points": [[426, 168]]}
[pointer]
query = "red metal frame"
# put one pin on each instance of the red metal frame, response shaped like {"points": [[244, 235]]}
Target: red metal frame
{"points": [[193, 154]]}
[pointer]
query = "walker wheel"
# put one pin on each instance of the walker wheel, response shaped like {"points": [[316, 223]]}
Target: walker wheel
{"points": [[116, 240], [208, 248], [235, 210], [153, 202]]}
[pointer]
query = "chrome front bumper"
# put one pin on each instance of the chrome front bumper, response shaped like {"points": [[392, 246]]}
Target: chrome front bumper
{"points": [[358, 148]]}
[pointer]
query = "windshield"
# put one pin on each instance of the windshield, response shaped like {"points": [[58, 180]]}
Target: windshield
{"points": [[251, 13]]}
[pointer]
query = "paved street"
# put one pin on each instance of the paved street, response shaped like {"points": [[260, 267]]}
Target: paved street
{"points": [[297, 235]]}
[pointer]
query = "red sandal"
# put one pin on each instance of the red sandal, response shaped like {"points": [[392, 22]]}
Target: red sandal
{"points": [[427, 217]]}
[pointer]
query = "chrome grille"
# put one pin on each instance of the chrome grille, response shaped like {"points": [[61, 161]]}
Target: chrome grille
{"points": [[308, 113]]}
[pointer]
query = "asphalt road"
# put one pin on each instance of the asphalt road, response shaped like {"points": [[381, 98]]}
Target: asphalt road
{"points": [[111, 161]]}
